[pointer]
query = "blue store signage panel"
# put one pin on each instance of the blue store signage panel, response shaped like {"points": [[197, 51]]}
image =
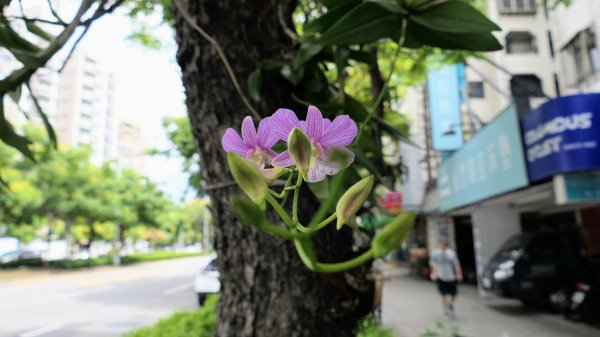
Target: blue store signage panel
{"points": [[443, 89], [563, 135], [490, 164], [572, 188]]}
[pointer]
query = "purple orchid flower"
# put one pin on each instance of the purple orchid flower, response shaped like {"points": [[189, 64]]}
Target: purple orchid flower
{"points": [[327, 138], [253, 145]]}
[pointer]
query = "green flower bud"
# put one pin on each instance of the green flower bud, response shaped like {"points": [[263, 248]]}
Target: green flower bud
{"points": [[392, 235], [248, 177], [248, 212], [352, 200], [300, 149]]}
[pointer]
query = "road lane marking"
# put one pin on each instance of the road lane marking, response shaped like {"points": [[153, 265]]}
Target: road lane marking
{"points": [[41, 331], [179, 288]]}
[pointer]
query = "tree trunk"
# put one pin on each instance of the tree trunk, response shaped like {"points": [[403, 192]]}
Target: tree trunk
{"points": [[266, 290]]}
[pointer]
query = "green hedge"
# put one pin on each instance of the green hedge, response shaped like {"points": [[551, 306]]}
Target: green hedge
{"points": [[154, 256], [71, 264], [100, 261], [201, 323]]}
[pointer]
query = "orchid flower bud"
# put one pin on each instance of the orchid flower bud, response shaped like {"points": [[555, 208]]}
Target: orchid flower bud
{"points": [[271, 174], [300, 150], [352, 200], [392, 235], [248, 212], [248, 177]]}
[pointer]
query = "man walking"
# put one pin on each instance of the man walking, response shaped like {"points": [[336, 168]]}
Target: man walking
{"points": [[446, 271]]}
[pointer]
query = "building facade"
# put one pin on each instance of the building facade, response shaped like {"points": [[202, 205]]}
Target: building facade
{"points": [[496, 174]]}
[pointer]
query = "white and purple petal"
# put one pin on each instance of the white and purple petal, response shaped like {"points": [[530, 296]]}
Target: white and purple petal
{"points": [[282, 122], [266, 138], [314, 123], [249, 132], [341, 132], [232, 142], [317, 172], [283, 159]]}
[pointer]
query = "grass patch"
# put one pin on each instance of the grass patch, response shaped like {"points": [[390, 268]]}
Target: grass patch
{"points": [[199, 323]]}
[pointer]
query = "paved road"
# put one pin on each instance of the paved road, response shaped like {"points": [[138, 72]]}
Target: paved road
{"points": [[99, 302], [411, 306]]}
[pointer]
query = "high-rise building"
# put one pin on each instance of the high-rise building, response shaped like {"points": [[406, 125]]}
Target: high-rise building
{"points": [[86, 114], [131, 150]]}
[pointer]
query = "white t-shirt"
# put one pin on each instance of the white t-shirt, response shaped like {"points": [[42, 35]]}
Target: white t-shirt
{"points": [[445, 263]]}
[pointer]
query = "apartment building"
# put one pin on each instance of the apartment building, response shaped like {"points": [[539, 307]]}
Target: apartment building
{"points": [[86, 112], [131, 152], [576, 30]]}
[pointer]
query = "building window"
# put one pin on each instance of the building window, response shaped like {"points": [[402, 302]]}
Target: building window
{"points": [[581, 58], [475, 89], [520, 43], [86, 103], [84, 131], [517, 6]]}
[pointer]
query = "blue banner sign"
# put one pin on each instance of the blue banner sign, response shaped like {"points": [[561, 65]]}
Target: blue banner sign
{"points": [[444, 88], [573, 188], [490, 164], [563, 135]]}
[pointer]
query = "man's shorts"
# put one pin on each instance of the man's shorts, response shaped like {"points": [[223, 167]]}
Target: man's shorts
{"points": [[446, 287]]}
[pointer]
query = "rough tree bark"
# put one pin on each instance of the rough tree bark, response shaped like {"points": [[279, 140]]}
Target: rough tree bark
{"points": [[266, 290]]}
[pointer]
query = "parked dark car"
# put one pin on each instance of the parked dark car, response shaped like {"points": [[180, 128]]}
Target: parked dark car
{"points": [[530, 267]]}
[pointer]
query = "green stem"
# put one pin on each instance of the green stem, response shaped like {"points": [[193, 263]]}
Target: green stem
{"points": [[317, 227], [286, 188], [295, 204], [383, 91], [281, 232], [346, 265], [284, 216], [313, 265]]}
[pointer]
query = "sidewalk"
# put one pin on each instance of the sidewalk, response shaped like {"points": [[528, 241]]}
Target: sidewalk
{"points": [[411, 306]]}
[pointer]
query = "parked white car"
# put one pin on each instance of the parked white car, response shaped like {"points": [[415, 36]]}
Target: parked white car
{"points": [[207, 281]]}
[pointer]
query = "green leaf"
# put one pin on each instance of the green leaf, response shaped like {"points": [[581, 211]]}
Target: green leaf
{"points": [[255, 84], [12, 139], [47, 125], [29, 59], [325, 21], [363, 56], [247, 211], [393, 131], [15, 95], [34, 29], [390, 5], [418, 35], [355, 109], [17, 40], [306, 52], [366, 23], [331, 4], [292, 75], [269, 64], [454, 17]]}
